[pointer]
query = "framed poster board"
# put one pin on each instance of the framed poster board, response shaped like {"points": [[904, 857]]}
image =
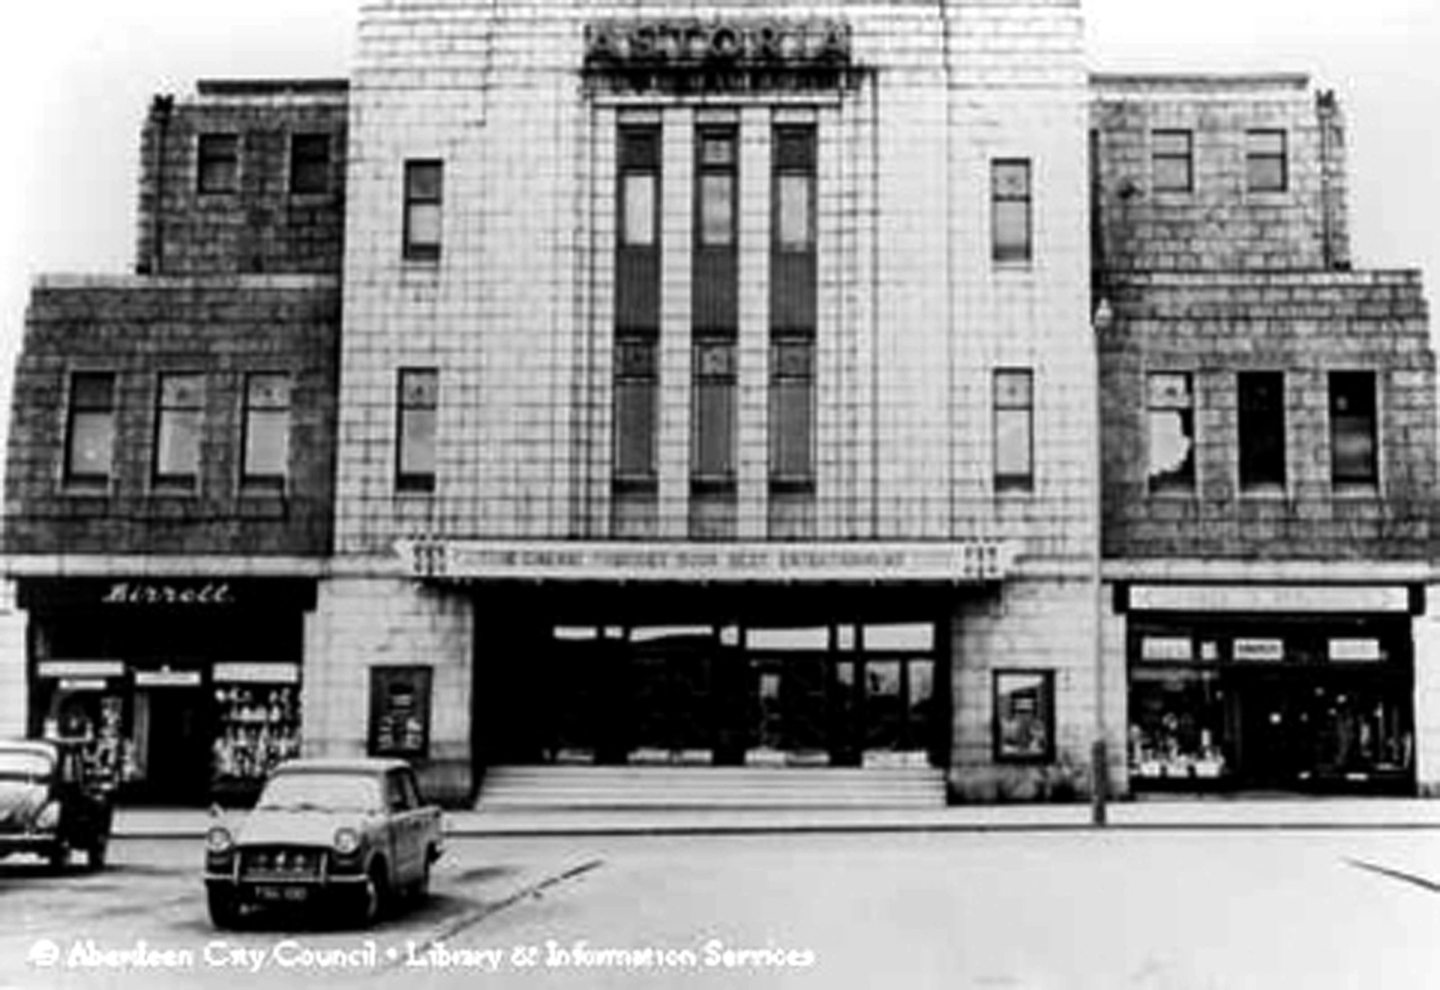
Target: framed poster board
{"points": [[400, 711], [1024, 716]]}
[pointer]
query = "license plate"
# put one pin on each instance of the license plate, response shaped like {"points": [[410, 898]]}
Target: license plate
{"points": [[276, 892]]}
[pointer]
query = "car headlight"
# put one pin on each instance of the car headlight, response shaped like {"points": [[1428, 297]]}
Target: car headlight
{"points": [[49, 816], [218, 840], [347, 840]]}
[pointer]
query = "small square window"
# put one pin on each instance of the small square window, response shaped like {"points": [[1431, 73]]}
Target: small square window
{"points": [[1172, 161], [218, 163], [1265, 164]]}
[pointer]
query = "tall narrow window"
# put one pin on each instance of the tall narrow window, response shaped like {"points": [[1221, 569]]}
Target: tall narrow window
{"points": [[794, 188], [309, 163], [1172, 164], [1265, 167], [792, 414], [419, 404], [715, 174], [217, 163], [267, 431], [639, 186], [1170, 410], [1353, 460], [1014, 396], [423, 191], [179, 415], [636, 393], [1010, 209], [713, 441], [1261, 400], [90, 432]]}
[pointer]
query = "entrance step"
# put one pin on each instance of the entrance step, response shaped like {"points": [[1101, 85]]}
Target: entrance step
{"points": [[536, 787]]}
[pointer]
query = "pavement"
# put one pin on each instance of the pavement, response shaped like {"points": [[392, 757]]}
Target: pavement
{"points": [[1176, 814]]}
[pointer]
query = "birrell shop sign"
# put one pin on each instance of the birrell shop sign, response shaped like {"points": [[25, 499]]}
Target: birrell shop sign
{"points": [[971, 561], [690, 55]]}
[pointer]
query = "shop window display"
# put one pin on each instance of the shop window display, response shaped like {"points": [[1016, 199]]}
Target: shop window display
{"points": [[1176, 725], [257, 726]]}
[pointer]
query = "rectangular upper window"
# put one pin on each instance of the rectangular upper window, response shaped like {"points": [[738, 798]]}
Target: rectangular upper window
{"points": [[713, 431], [1010, 209], [636, 394], [179, 415], [1265, 165], [1172, 162], [1261, 400], [423, 190], [1353, 445], [794, 188], [266, 457], [639, 166], [1024, 713], [90, 428], [309, 163], [419, 401], [217, 163], [716, 168], [1014, 399], [1170, 422]]}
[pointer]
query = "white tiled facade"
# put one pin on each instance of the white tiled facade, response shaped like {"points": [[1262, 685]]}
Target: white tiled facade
{"points": [[913, 318]]}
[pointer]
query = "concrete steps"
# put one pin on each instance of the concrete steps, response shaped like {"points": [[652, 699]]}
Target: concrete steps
{"points": [[558, 787]]}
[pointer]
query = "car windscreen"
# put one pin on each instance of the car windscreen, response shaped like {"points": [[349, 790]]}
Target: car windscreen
{"points": [[321, 791], [24, 765]]}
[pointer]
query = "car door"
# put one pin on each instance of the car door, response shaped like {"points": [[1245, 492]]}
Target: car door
{"points": [[404, 819]]}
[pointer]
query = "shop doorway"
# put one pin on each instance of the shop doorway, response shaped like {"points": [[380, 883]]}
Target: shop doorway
{"points": [[172, 750]]}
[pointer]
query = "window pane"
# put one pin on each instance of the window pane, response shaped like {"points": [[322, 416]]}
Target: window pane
{"points": [[794, 231], [1012, 231], [423, 181], [1265, 142], [267, 391], [635, 429], [1266, 173], [1011, 180], [1262, 429], [714, 429], [1171, 143], [639, 203], [1352, 427], [791, 429], [717, 150], [1013, 389], [424, 225], [219, 163], [419, 387], [1172, 174], [716, 209], [1172, 455], [1012, 443], [417, 442], [1168, 391], [309, 163], [92, 440], [1023, 725], [92, 391], [267, 444], [178, 445]]}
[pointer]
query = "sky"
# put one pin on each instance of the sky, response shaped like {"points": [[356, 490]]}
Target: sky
{"points": [[76, 77]]}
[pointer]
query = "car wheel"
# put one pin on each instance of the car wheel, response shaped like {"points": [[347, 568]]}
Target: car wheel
{"points": [[223, 910], [373, 897], [59, 856], [95, 855]]}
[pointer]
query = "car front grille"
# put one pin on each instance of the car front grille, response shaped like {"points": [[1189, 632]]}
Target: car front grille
{"points": [[282, 863]]}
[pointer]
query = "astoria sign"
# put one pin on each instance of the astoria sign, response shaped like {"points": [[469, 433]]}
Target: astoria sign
{"points": [[689, 55]]}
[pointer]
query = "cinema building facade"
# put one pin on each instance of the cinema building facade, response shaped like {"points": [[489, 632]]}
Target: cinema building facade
{"points": [[718, 387]]}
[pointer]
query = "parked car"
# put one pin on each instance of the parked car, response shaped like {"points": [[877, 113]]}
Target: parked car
{"points": [[346, 834], [49, 806]]}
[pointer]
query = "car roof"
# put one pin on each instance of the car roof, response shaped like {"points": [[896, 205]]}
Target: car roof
{"points": [[356, 765], [41, 747]]}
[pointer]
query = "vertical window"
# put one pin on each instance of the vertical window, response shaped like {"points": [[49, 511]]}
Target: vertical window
{"points": [[716, 177], [1261, 401], [636, 393], [267, 431], [1014, 397], [1172, 162], [1024, 711], [713, 441], [639, 186], [90, 432], [1170, 410], [309, 163], [794, 188], [792, 414], [1353, 458], [419, 404], [1010, 209], [218, 163], [423, 191], [1265, 169], [181, 408]]}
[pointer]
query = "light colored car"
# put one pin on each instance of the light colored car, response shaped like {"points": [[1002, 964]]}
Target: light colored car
{"points": [[349, 834], [48, 804]]}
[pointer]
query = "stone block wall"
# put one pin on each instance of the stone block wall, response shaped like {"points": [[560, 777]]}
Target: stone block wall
{"points": [[262, 225], [14, 686], [1304, 325], [1427, 697], [137, 328], [1218, 224]]}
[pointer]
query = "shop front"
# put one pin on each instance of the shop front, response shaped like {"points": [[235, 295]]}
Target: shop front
{"points": [[183, 690], [1300, 689]]}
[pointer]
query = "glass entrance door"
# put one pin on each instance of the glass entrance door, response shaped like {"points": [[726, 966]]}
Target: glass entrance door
{"points": [[671, 703], [790, 706]]}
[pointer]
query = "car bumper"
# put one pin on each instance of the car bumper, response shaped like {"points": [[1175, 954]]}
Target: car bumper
{"points": [[39, 843]]}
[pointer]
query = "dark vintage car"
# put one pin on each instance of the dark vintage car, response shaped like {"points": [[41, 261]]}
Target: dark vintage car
{"points": [[349, 835], [48, 807]]}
